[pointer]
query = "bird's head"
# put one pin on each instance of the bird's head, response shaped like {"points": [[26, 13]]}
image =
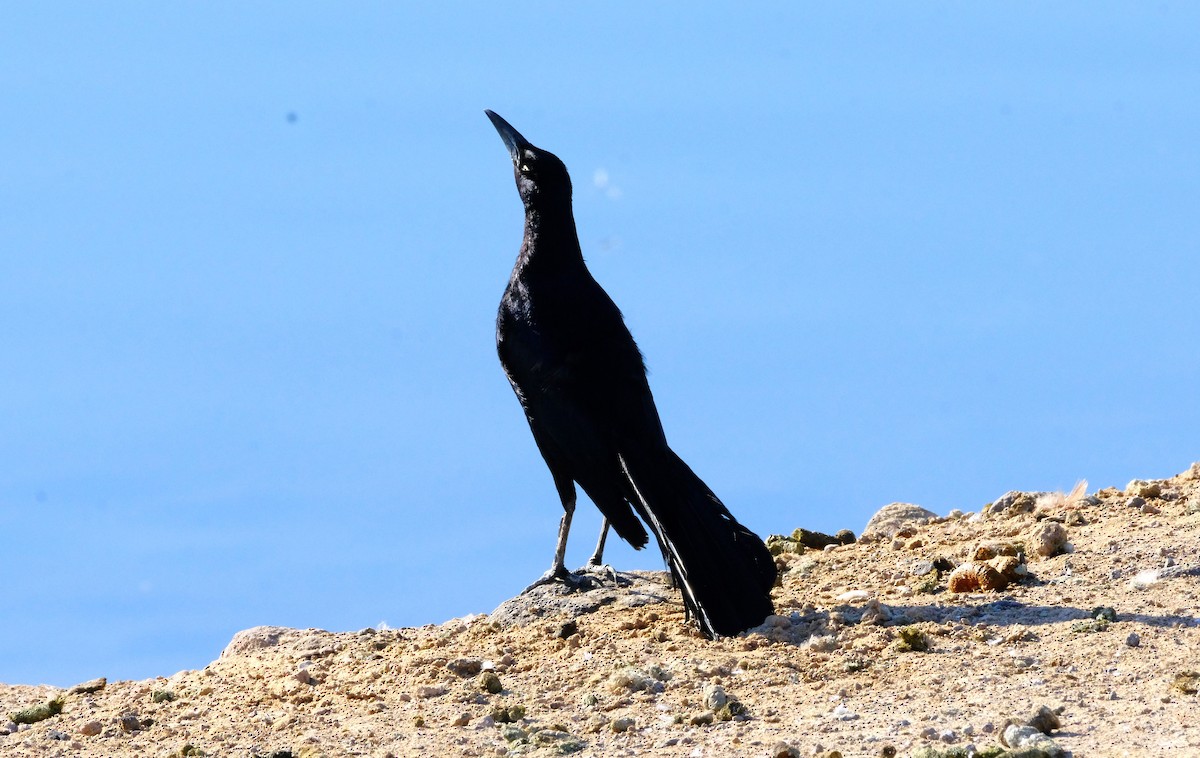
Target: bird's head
{"points": [[542, 178]]}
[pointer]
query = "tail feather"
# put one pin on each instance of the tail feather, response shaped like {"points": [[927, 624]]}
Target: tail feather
{"points": [[723, 569]]}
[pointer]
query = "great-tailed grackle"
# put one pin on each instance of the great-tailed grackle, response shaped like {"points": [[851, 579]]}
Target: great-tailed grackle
{"points": [[582, 382]]}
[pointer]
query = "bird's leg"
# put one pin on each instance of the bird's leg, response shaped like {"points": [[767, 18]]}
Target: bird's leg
{"points": [[595, 564], [558, 570], [597, 558]]}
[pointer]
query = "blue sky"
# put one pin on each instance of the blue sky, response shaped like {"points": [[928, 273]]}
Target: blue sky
{"points": [[250, 259]]}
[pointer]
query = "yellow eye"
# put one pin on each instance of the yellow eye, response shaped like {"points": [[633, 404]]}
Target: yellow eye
{"points": [[524, 166]]}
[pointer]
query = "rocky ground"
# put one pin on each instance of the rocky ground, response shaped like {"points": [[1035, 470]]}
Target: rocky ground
{"points": [[1073, 627]]}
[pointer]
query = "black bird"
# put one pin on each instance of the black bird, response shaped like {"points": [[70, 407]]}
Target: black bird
{"points": [[581, 380]]}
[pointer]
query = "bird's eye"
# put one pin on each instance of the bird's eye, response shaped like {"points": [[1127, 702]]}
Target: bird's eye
{"points": [[524, 167]]}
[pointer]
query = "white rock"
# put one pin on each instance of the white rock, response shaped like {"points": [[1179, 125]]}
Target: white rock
{"points": [[253, 639], [895, 517], [853, 596], [842, 713], [1144, 579], [715, 697], [1029, 737]]}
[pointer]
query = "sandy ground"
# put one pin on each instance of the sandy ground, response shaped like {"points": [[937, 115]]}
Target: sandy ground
{"points": [[1104, 631]]}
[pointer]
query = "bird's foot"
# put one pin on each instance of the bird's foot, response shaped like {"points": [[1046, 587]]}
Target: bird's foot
{"points": [[557, 573], [600, 571], [587, 578]]}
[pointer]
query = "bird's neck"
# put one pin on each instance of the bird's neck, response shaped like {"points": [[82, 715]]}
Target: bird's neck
{"points": [[551, 241]]}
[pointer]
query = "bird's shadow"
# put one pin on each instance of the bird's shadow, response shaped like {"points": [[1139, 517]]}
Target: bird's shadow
{"points": [[1001, 612]]}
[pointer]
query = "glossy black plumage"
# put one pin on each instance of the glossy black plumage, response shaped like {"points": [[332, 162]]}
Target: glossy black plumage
{"points": [[581, 380]]}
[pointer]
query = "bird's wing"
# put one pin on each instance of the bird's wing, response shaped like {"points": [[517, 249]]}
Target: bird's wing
{"points": [[575, 425]]}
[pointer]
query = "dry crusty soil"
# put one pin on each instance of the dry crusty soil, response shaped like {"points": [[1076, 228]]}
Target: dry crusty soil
{"points": [[624, 674]]}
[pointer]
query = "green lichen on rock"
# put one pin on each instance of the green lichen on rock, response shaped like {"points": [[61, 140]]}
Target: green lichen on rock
{"points": [[933, 752], [911, 639], [1090, 626], [1101, 618], [778, 544], [39, 712], [489, 682], [927, 584], [993, 751], [554, 739], [559, 741], [731, 708], [513, 733], [800, 539], [507, 714], [1187, 682], [1105, 613]]}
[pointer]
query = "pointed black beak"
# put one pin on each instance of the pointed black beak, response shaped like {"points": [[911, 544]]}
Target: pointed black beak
{"points": [[512, 138]]}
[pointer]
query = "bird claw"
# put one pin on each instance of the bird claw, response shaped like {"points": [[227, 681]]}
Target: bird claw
{"points": [[600, 571], [555, 574], [587, 578]]}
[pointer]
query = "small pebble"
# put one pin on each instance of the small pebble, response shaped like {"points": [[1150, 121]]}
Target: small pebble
{"points": [[1133, 640], [1047, 539], [784, 750], [621, 725], [842, 713], [91, 728], [1045, 720], [715, 697], [490, 683], [1144, 579], [465, 667], [90, 686], [1026, 737], [1143, 488]]}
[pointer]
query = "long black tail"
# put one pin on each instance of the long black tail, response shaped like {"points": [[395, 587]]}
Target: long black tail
{"points": [[723, 569]]}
